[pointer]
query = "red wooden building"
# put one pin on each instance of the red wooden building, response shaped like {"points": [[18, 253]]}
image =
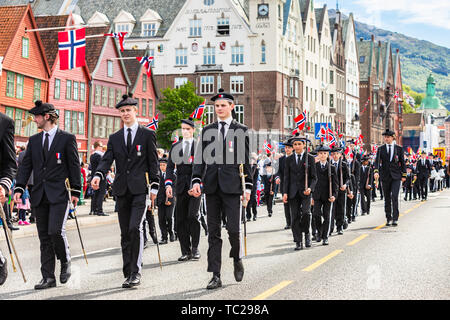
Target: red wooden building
{"points": [[142, 87], [109, 82], [68, 89], [24, 69]]}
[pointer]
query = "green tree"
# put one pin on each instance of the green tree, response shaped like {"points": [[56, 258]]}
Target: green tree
{"points": [[407, 108], [176, 104]]}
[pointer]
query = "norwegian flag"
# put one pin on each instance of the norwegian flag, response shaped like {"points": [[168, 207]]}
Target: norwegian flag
{"points": [[118, 35], [198, 112], [374, 149], [267, 147], [153, 125], [295, 131], [147, 62], [72, 49], [300, 120], [359, 141], [348, 152], [175, 139]]}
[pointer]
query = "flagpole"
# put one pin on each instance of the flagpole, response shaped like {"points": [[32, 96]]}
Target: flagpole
{"points": [[95, 36], [65, 27], [123, 58]]}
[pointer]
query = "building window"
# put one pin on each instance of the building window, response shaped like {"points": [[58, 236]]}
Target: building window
{"points": [[263, 52], [123, 27], [74, 122], [306, 96], [296, 89], [110, 68], [144, 107], [31, 128], [209, 55], [208, 2], [150, 107], [149, 29], [37, 90], [209, 111], [19, 86], [237, 55], [144, 83], [109, 126], [80, 123], [112, 97], [285, 87], [82, 91], [67, 122], [195, 27], [331, 77], [104, 96], [68, 89], [331, 101], [237, 84], [75, 90], [180, 82], [239, 113], [57, 91], [10, 84], [25, 47], [362, 59], [306, 70], [223, 26], [98, 92], [207, 84], [181, 57], [18, 122], [291, 87], [116, 124]]}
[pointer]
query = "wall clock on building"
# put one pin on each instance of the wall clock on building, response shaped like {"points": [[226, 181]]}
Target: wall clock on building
{"points": [[263, 10]]}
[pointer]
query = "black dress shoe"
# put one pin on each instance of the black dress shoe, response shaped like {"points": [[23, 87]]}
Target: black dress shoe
{"points": [[254, 218], [388, 223], [11, 227], [214, 283], [45, 283], [325, 242], [394, 223], [298, 246], [340, 231], [307, 240], [3, 271], [164, 241], [91, 213], [248, 219], [353, 219], [134, 280], [287, 227], [195, 255], [184, 257], [318, 238], [126, 283], [238, 270], [270, 214], [172, 238], [65, 272], [102, 214]]}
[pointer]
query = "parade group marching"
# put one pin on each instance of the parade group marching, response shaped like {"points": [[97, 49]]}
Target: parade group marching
{"points": [[207, 181]]}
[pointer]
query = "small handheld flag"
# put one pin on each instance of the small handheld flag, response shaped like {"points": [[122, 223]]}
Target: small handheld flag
{"points": [[300, 120], [198, 112], [153, 125]]}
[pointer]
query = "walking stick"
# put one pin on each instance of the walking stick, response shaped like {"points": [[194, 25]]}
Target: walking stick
{"points": [[73, 210], [9, 240], [243, 204], [153, 215]]}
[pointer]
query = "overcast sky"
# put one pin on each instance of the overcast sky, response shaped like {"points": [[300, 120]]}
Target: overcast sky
{"points": [[425, 20]]}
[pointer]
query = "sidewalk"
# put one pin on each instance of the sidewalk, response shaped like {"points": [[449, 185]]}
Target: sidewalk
{"points": [[83, 217]]}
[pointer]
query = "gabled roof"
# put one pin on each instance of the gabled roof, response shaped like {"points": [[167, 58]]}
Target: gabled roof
{"points": [[50, 38], [397, 67], [286, 10], [320, 15], [365, 48], [10, 18], [304, 7], [94, 46]]}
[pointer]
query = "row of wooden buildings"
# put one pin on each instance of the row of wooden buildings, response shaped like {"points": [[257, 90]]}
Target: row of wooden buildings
{"points": [[84, 97]]}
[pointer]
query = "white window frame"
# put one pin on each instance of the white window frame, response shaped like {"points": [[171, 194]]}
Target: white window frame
{"points": [[149, 29], [206, 84], [110, 68], [237, 84], [240, 113], [237, 54], [209, 56], [181, 56], [180, 81], [209, 112], [195, 27]]}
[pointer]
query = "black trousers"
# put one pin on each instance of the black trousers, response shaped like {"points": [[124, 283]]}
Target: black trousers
{"points": [[165, 219], [151, 225], [51, 226], [97, 198], [218, 204], [339, 210], [269, 202], [251, 207], [300, 215], [365, 200], [351, 207], [423, 185], [391, 189], [131, 213], [408, 191], [287, 213], [188, 224], [322, 211]]}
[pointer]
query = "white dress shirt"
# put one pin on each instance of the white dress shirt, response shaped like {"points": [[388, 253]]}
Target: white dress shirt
{"points": [[299, 157], [51, 136], [134, 128], [227, 126]]}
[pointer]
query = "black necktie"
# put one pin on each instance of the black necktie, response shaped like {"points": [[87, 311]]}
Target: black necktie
{"points": [[45, 150], [389, 146], [222, 129], [129, 140]]}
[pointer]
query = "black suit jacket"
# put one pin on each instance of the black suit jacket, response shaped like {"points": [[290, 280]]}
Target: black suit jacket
{"points": [[322, 190], [280, 171], [395, 169], [354, 168], [423, 171], [269, 182], [50, 176], [183, 167], [364, 175], [209, 156], [131, 168], [161, 196], [342, 173], [8, 165], [94, 160], [294, 175]]}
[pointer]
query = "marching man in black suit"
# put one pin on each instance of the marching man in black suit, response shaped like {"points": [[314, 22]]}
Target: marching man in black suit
{"points": [[288, 148], [268, 180], [321, 195], [390, 166], [98, 196], [8, 167], [223, 147], [252, 204], [423, 171], [299, 182], [133, 148], [343, 178], [187, 210], [52, 155], [366, 185]]}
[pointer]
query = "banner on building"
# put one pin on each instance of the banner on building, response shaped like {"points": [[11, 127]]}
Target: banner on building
{"points": [[440, 152]]}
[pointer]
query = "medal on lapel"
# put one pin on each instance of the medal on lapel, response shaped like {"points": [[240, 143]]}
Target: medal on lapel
{"points": [[138, 148], [191, 158], [230, 146], [58, 158]]}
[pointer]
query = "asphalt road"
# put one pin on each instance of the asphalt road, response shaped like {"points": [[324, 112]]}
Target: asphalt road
{"points": [[370, 261]]}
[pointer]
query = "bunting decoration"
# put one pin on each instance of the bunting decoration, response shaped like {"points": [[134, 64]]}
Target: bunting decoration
{"points": [[147, 62], [118, 35]]}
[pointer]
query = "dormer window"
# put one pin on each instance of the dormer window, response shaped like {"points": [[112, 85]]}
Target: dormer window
{"points": [[208, 2], [124, 22], [149, 29], [150, 21]]}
